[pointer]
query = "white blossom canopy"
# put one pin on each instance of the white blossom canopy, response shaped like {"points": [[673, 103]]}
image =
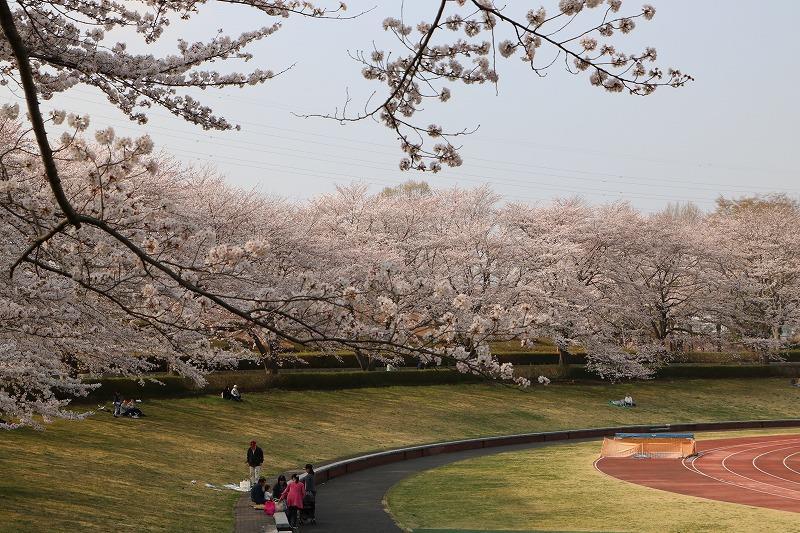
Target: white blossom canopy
{"points": [[116, 252]]}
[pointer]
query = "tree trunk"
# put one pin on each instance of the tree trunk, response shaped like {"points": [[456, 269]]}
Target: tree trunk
{"points": [[364, 361], [563, 358], [563, 362], [270, 363]]}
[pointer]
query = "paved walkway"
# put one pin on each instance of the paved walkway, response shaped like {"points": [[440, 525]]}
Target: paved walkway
{"points": [[354, 503], [249, 520]]}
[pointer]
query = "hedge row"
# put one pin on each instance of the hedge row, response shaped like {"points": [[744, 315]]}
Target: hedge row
{"points": [[132, 388], [699, 371], [348, 360], [531, 358], [258, 381]]}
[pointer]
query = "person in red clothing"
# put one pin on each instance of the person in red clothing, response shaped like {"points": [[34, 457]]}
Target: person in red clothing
{"points": [[293, 496]]}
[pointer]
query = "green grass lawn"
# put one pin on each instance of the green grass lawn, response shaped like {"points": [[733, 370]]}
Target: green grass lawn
{"points": [[558, 489], [106, 474]]}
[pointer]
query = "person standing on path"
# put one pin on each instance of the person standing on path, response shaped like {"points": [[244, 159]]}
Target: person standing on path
{"points": [[117, 404], [255, 458], [293, 496], [310, 498]]}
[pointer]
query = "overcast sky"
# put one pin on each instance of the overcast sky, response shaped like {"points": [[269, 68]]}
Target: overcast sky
{"points": [[732, 132]]}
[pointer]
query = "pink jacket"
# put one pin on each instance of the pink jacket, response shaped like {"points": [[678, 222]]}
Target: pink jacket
{"points": [[294, 494]]}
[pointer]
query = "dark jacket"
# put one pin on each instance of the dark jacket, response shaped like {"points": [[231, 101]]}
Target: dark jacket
{"points": [[257, 494], [255, 458], [308, 481], [277, 490]]}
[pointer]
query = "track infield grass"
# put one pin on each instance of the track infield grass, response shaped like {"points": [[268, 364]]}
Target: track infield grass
{"points": [[106, 474], [557, 488]]}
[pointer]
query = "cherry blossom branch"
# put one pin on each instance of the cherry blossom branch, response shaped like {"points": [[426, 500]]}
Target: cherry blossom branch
{"points": [[58, 228], [426, 63], [34, 112]]}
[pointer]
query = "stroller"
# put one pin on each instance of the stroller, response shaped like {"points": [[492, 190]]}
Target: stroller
{"points": [[308, 512]]}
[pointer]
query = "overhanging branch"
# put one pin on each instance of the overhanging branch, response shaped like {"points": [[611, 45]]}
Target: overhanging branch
{"points": [[35, 113]]}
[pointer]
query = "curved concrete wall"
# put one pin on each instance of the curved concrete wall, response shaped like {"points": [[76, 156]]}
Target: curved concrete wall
{"points": [[345, 466]]}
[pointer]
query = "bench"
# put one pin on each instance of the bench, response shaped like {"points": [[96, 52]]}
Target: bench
{"points": [[281, 522]]}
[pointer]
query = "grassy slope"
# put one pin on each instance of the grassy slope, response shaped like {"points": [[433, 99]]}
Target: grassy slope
{"points": [[107, 474], [557, 488]]}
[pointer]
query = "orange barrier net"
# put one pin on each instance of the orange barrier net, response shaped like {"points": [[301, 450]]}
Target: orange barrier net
{"points": [[654, 447]]}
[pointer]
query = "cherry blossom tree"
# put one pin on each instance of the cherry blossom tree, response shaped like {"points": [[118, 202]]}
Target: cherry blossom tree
{"points": [[135, 248], [661, 273], [175, 258], [624, 287], [547, 254], [758, 271], [657, 286], [59, 320], [203, 261], [436, 265]]}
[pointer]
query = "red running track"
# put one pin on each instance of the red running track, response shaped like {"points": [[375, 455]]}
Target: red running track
{"points": [[759, 471]]}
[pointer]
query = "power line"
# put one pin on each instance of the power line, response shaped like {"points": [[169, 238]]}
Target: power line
{"points": [[259, 102], [519, 183]]}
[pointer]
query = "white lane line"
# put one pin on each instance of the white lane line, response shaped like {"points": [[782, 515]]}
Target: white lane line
{"points": [[784, 463], [789, 467], [694, 468], [756, 481]]}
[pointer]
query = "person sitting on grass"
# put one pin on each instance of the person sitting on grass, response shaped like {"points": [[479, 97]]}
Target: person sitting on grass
{"points": [[235, 394], [627, 401], [226, 393], [130, 409], [293, 496], [258, 494]]}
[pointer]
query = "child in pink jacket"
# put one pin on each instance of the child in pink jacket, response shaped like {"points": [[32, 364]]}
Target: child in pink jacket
{"points": [[293, 495]]}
